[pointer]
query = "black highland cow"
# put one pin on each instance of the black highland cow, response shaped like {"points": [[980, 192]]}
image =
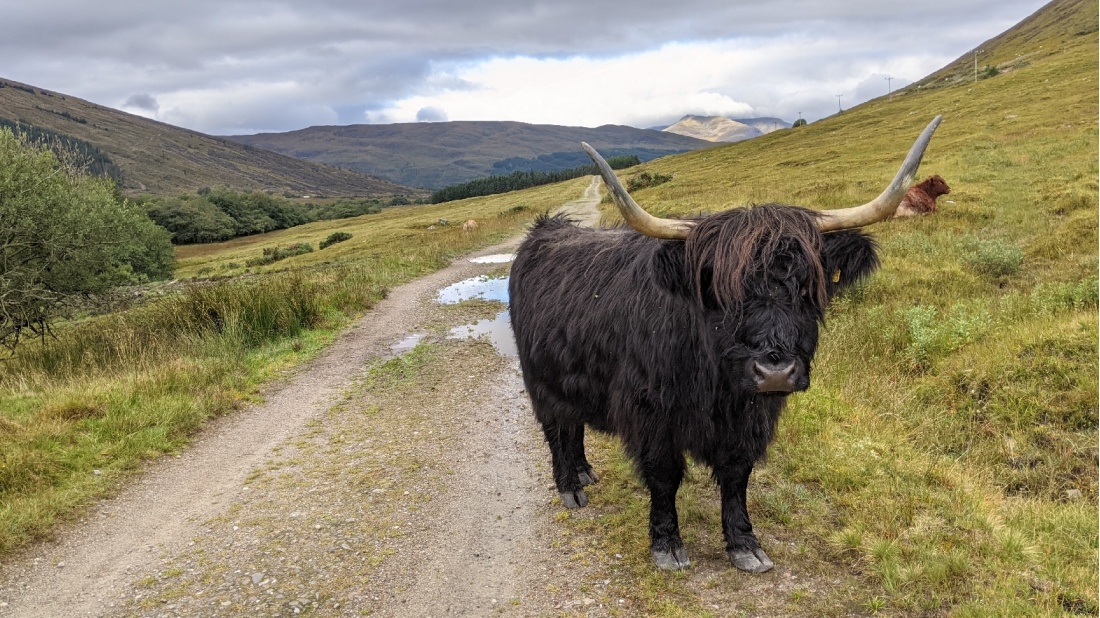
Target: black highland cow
{"points": [[684, 336]]}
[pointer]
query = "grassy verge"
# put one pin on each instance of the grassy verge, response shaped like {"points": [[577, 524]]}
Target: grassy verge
{"points": [[79, 413]]}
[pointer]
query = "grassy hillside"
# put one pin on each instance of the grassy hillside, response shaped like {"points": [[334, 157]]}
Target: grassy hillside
{"points": [[945, 460], [154, 157], [438, 154]]}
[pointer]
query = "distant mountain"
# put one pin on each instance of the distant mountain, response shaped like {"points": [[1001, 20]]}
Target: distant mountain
{"points": [[713, 129], [438, 154], [722, 129], [146, 156]]}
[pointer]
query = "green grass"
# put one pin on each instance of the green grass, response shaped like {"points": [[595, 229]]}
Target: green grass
{"points": [[79, 413]]}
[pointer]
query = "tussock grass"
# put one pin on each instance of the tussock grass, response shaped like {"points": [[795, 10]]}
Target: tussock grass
{"points": [[80, 412]]}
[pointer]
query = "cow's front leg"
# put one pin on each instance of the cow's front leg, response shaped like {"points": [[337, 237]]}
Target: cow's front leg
{"points": [[663, 475], [741, 545], [560, 436]]}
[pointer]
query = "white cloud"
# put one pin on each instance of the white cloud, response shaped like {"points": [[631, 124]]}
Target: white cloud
{"points": [[739, 78]]}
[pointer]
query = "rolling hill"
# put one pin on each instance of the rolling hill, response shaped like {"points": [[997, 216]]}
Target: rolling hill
{"points": [[147, 156], [437, 154]]}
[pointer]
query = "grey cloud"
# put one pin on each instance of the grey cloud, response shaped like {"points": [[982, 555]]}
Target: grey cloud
{"points": [[145, 102]]}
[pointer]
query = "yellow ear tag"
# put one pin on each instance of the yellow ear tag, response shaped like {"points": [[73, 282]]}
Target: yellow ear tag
{"points": [[836, 276]]}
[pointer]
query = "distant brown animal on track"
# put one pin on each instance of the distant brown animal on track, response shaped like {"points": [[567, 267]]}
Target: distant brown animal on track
{"points": [[469, 226], [921, 197]]}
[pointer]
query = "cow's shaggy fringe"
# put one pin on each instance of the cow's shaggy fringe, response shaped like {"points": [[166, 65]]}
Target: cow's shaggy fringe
{"points": [[739, 243]]}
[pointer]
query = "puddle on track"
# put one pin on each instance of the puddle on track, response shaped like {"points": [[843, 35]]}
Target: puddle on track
{"points": [[481, 288], [499, 330], [496, 258], [407, 344]]}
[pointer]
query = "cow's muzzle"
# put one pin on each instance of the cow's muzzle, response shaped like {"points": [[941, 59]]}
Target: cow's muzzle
{"points": [[780, 377]]}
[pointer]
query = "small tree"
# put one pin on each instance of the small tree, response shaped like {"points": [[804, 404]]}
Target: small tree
{"points": [[63, 234]]}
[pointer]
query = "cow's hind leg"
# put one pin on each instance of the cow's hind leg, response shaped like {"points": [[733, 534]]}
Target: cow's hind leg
{"points": [[741, 545], [663, 473], [585, 474], [560, 437]]}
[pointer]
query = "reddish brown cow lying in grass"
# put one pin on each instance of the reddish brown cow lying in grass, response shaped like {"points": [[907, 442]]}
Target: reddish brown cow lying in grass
{"points": [[921, 197]]}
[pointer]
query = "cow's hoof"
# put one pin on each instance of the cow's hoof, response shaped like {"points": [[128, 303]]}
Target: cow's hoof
{"points": [[752, 561], [588, 477], [574, 499], [671, 560]]}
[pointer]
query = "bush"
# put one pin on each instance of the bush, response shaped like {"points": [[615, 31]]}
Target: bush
{"points": [[334, 238], [64, 235], [645, 179], [992, 258], [192, 219], [346, 208], [274, 254]]}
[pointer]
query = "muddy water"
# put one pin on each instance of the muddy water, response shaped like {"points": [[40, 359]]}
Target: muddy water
{"points": [[499, 329]]}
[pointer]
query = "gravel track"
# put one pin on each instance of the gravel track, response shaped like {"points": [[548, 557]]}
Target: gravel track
{"points": [[341, 494]]}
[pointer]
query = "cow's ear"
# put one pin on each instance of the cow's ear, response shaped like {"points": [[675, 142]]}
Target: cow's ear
{"points": [[670, 270], [848, 257]]}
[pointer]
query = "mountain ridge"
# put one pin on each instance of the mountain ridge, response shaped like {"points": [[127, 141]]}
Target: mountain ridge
{"points": [[438, 154], [157, 158]]}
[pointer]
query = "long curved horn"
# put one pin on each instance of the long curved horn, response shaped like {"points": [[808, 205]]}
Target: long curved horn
{"points": [[874, 211], [887, 202], [638, 219]]}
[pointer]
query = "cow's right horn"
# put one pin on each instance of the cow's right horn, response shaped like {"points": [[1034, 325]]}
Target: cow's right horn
{"points": [[887, 202], [638, 219]]}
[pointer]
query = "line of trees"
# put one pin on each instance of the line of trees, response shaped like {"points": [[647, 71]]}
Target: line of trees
{"points": [[492, 185], [77, 153], [217, 214]]}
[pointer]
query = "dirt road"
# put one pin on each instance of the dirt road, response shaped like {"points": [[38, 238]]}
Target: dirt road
{"points": [[365, 483]]}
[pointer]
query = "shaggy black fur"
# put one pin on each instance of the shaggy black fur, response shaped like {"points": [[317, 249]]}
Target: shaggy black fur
{"points": [[663, 343]]}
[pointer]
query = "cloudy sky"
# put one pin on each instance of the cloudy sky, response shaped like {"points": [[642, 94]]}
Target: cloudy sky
{"points": [[237, 67]]}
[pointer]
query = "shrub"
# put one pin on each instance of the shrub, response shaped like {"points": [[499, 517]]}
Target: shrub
{"points": [[63, 235], [334, 238], [645, 179], [274, 254], [992, 258]]}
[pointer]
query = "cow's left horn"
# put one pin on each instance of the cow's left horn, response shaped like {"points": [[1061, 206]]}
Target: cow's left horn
{"points": [[638, 219], [887, 202]]}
